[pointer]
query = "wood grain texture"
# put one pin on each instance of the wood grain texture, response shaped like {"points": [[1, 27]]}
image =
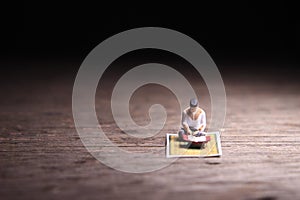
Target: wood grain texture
{"points": [[42, 156]]}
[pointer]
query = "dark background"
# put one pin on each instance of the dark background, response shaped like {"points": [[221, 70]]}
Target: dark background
{"points": [[248, 33], [229, 29]]}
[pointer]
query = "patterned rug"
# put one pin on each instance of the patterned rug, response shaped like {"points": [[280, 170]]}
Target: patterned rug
{"points": [[177, 148]]}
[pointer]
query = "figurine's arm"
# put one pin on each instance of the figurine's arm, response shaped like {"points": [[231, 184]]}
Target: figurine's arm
{"points": [[202, 122], [187, 128], [185, 124]]}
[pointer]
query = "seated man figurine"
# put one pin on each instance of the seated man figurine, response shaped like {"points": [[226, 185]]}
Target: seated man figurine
{"points": [[193, 121]]}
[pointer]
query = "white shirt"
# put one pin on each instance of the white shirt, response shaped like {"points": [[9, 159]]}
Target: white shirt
{"points": [[196, 120]]}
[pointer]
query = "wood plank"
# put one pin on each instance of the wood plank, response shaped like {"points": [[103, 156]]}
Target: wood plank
{"points": [[42, 156]]}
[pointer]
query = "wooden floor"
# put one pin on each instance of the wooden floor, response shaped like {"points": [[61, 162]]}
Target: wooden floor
{"points": [[42, 156]]}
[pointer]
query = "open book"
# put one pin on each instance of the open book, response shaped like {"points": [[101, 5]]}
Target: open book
{"points": [[196, 139]]}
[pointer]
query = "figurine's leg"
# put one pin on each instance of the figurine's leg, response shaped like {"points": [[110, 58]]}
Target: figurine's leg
{"points": [[199, 134], [181, 133]]}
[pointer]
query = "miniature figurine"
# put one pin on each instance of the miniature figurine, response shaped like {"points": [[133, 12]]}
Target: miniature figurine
{"points": [[193, 123]]}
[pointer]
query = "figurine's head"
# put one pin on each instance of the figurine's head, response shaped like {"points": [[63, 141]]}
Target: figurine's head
{"points": [[193, 104]]}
